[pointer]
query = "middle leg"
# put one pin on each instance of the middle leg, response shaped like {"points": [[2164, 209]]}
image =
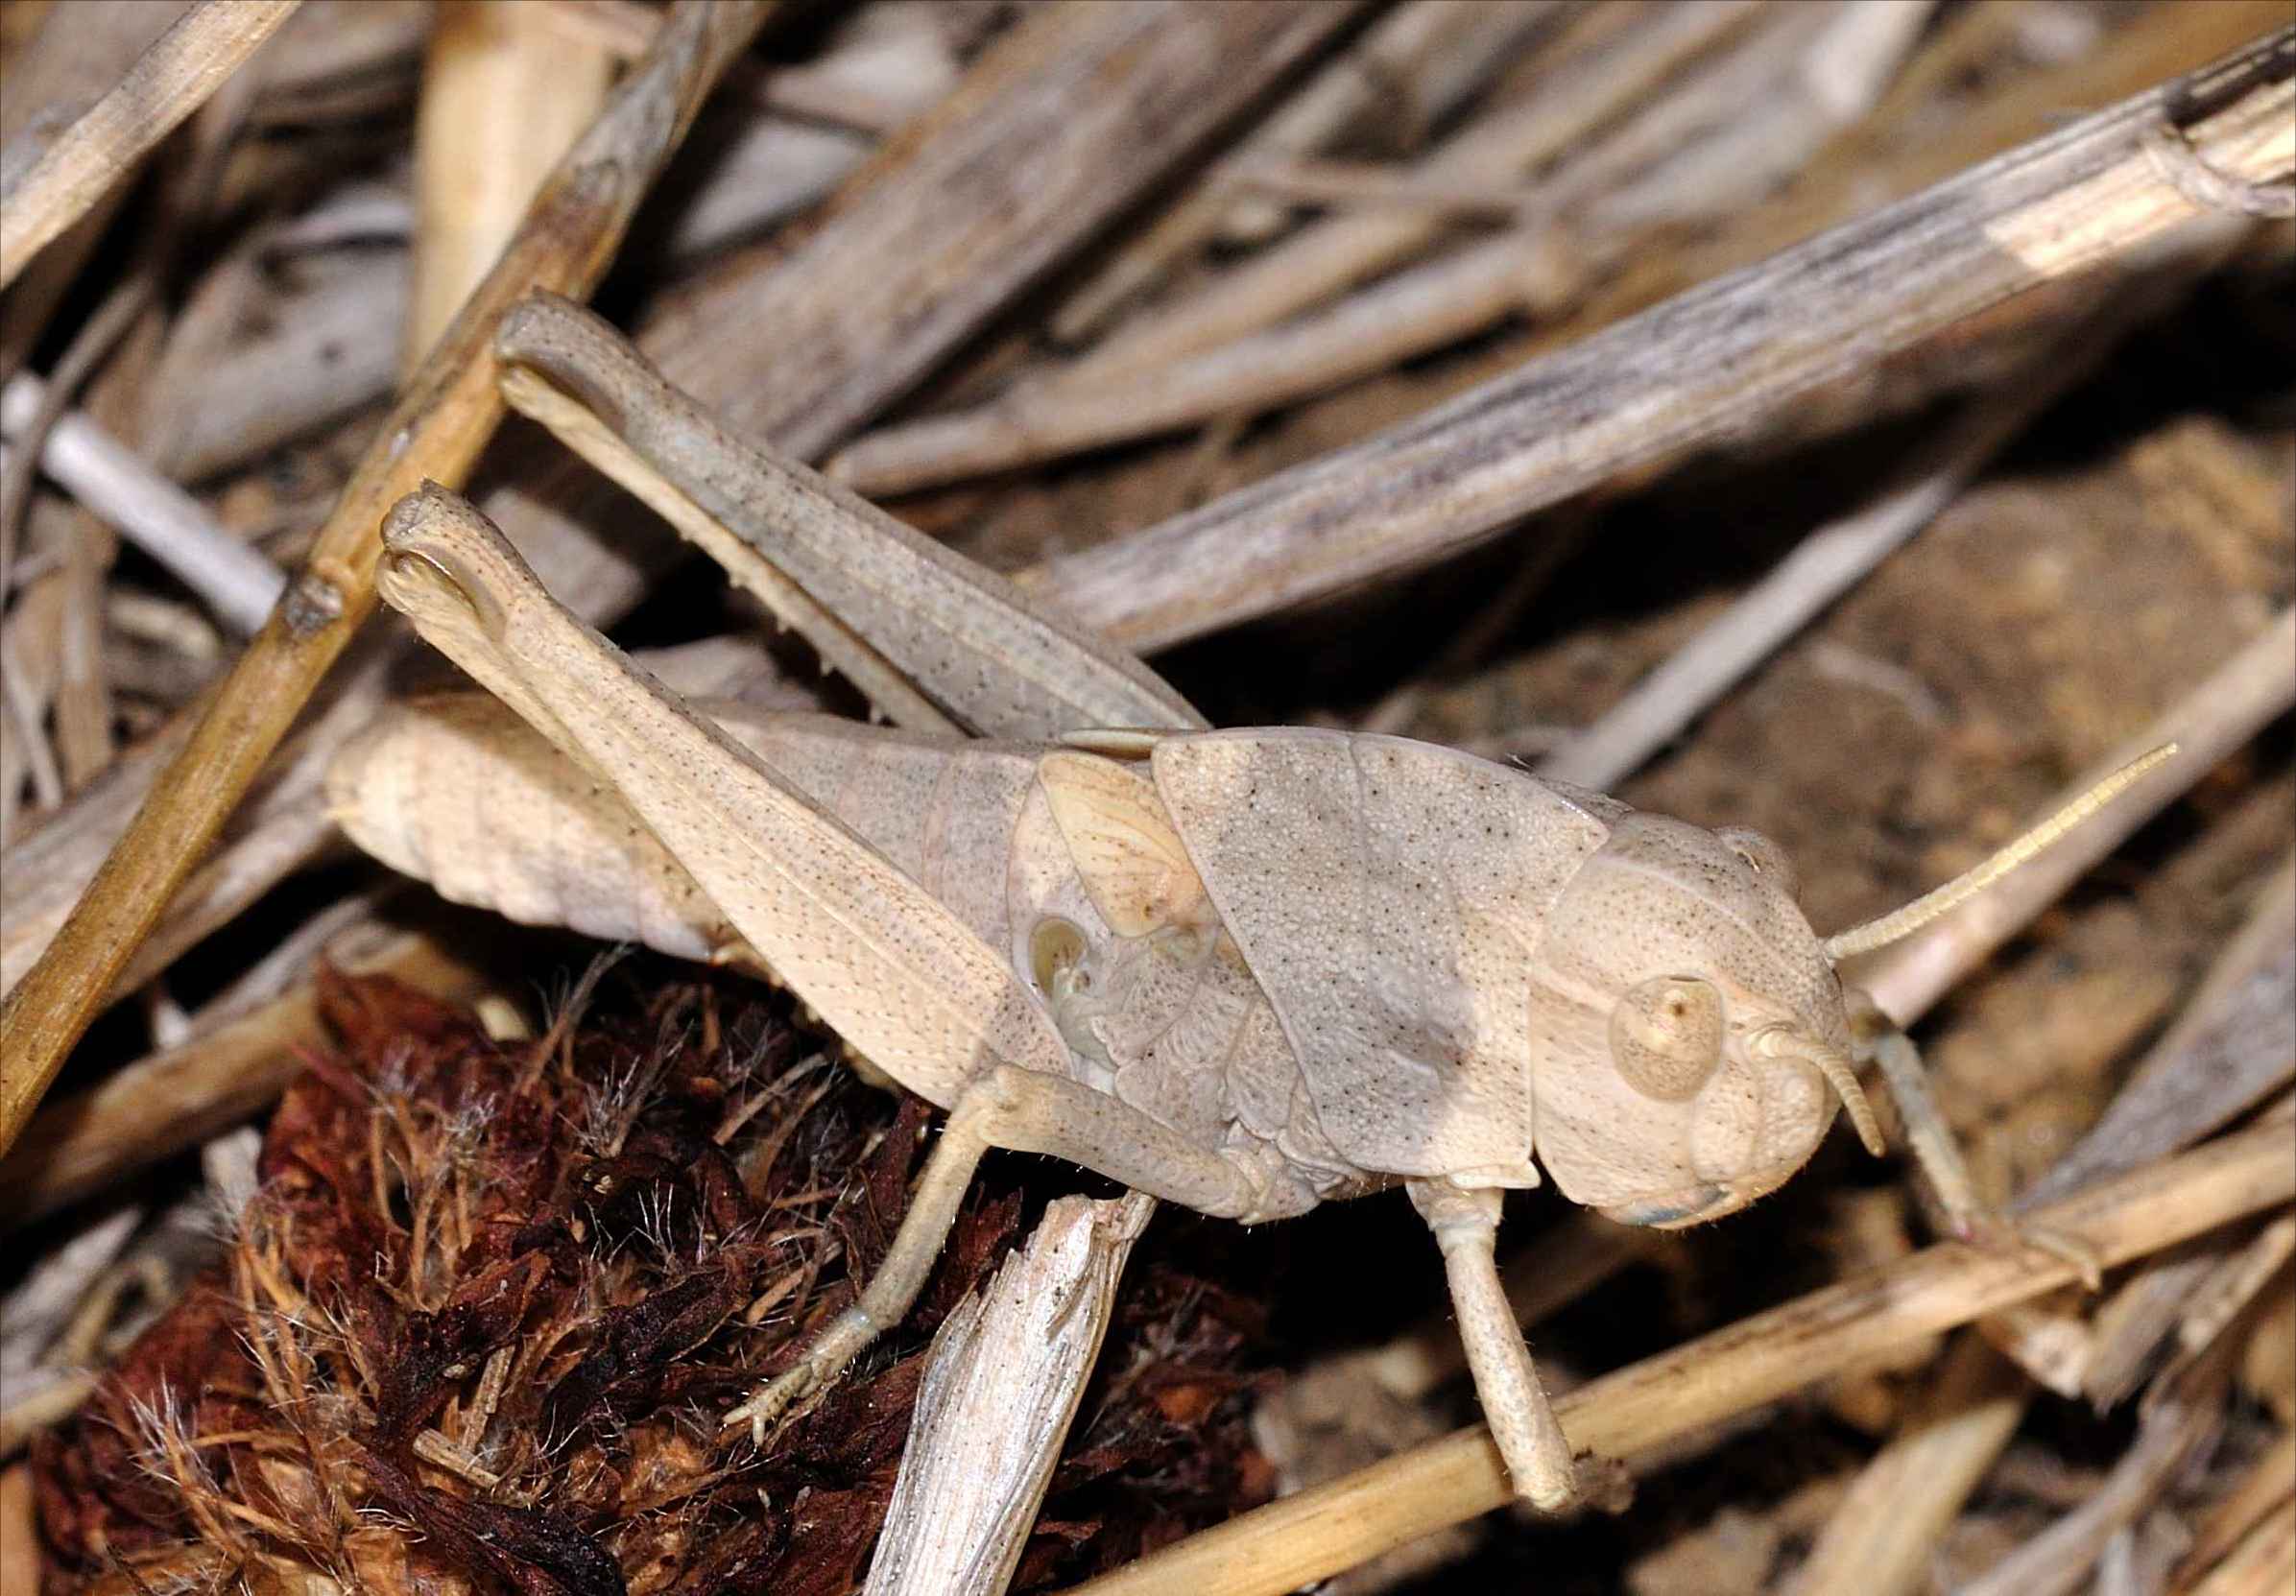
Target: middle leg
{"points": [[1027, 1111]]}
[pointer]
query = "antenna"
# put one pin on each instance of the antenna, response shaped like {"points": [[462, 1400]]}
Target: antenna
{"points": [[1780, 1042], [1903, 922]]}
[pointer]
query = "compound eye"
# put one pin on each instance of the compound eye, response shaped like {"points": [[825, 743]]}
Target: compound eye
{"points": [[1765, 858], [1666, 1035]]}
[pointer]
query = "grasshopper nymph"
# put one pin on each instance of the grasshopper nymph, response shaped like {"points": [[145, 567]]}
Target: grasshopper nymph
{"points": [[1243, 971]]}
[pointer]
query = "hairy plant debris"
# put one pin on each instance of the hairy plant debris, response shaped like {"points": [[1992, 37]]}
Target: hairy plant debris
{"points": [[475, 1330]]}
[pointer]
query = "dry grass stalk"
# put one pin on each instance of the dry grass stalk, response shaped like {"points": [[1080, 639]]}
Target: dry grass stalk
{"points": [[1427, 54], [1757, 1360], [326, 350], [85, 1305], [166, 85], [22, 737], [1345, 184], [2182, 1412], [1710, 361], [37, 418], [1377, 328], [83, 705], [449, 411], [334, 345], [2229, 1050], [1008, 1369], [1895, 154], [870, 84], [1043, 141], [1880, 1540], [2238, 1280], [1220, 352], [2106, 1353], [2230, 1047], [1599, 70], [505, 92], [115, 346], [1825, 566], [67, 68], [1882, 1537], [1688, 157], [2247, 693], [2270, 1483], [34, 1317], [2262, 1564], [283, 827], [108, 478]]}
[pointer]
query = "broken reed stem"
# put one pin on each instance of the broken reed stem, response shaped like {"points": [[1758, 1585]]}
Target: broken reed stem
{"points": [[1697, 368], [450, 410], [169, 82], [2249, 691], [1008, 1369], [1332, 1527]]}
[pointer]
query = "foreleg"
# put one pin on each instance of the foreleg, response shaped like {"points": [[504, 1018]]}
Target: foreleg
{"points": [[1522, 1421]]}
